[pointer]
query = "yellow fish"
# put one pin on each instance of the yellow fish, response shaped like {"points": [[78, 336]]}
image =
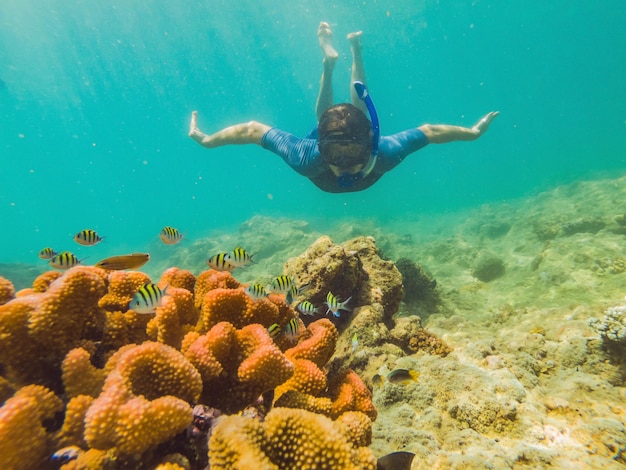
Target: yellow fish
{"points": [[87, 237], [397, 376], [170, 235], [239, 257], [64, 260], [220, 262], [148, 298], [47, 253], [121, 262]]}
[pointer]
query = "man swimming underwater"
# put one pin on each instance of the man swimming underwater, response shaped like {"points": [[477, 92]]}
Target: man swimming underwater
{"points": [[344, 152]]}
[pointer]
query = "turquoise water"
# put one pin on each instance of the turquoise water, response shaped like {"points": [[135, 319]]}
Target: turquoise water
{"points": [[95, 100]]}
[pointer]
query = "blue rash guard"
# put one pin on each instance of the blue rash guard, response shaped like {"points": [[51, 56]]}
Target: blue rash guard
{"points": [[302, 154]]}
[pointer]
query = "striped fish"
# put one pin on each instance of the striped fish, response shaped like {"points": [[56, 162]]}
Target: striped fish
{"points": [[147, 298], [256, 291], [87, 237], [292, 329], [220, 262], [334, 305], [47, 253], [273, 330], [284, 285], [239, 257], [64, 260], [306, 308], [170, 235]]}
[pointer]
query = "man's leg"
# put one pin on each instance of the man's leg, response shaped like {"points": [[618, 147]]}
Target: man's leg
{"points": [[325, 96], [358, 71]]}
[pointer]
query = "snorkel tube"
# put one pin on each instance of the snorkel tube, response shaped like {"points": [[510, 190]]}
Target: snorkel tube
{"points": [[347, 180]]}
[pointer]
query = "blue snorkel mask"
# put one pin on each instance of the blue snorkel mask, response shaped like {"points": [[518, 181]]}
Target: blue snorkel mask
{"points": [[348, 180]]}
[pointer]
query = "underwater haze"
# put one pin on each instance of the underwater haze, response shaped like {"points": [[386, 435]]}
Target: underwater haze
{"points": [[95, 99]]}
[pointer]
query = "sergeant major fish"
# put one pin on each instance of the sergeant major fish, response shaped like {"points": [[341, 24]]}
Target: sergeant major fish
{"points": [[170, 235], [87, 237], [47, 253], [334, 306], [64, 260], [220, 262], [239, 257], [147, 298], [256, 291], [306, 308], [285, 285]]}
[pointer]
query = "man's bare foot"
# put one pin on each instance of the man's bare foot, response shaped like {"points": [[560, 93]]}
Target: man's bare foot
{"points": [[483, 124], [355, 39], [325, 35]]}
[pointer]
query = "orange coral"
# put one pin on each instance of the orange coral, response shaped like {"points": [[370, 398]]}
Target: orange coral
{"points": [[291, 438], [80, 377], [122, 288], [178, 278], [144, 401], [43, 281], [24, 442], [210, 280], [238, 308], [174, 318], [236, 365], [351, 394], [54, 321], [7, 291], [309, 356], [74, 423]]}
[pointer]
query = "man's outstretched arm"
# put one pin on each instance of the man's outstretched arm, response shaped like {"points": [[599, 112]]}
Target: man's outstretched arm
{"points": [[246, 133], [443, 133]]}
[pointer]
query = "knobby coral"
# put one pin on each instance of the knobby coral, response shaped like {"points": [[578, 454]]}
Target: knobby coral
{"points": [[291, 438], [236, 365]]}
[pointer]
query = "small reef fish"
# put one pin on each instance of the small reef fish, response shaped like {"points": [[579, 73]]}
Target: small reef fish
{"points": [[397, 376], [256, 291], [147, 298], [121, 262], [87, 237], [286, 285], [67, 454], [273, 330], [170, 235], [239, 257], [64, 260], [400, 460], [292, 329], [354, 342], [47, 253], [220, 262], [334, 305], [306, 308]]}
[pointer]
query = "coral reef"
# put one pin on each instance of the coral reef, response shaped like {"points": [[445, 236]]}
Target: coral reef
{"points": [[129, 382], [612, 327], [7, 291], [236, 365], [144, 401], [24, 440], [351, 269], [290, 438], [54, 321]]}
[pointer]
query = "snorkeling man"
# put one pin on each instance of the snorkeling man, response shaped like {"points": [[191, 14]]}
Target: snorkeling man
{"points": [[345, 151]]}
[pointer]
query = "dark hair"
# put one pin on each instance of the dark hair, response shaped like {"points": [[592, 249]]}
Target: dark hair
{"points": [[344, 123]]}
